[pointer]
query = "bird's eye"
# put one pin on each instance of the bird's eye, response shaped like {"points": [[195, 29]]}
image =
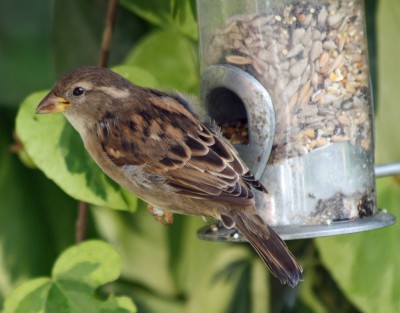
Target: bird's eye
{"points": [[78, 91]]}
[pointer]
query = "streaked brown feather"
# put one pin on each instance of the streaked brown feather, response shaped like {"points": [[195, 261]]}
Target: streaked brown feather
{"points": [[196, 160], [196, 146], [270, 247]]}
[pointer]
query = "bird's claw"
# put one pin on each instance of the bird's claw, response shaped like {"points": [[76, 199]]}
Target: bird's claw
{"points": [[163, 216]]}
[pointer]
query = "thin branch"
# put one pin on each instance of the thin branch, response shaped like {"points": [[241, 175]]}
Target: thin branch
{"points": [[108, 32], [81, 222]]}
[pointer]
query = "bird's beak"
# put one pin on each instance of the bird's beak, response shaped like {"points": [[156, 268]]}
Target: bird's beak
{"points": [[52, 104]]}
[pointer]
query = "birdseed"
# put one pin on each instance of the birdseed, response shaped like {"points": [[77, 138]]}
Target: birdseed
{"points": [[312, 59]]}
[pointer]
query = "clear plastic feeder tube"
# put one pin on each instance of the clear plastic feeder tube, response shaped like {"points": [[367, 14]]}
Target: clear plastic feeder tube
{"points": [[311, 58]]}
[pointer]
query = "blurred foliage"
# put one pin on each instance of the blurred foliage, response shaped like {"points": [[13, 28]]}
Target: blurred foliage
{"points": [[178, 15], [164, 269], [75, 276], [25, 49]]}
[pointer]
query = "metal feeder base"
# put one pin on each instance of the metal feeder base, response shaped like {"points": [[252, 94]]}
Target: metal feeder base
{"points": [[216, 232]]}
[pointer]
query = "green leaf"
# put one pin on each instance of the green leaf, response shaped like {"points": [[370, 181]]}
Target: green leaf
{"points": [[36, 219], [387, 121], [366, 265], [85, 23], [188, 275], [93, 263], [137, 75], [226, 279], [173, 14], [76, 274], [142, 244], [170, 58], [56, 148]]}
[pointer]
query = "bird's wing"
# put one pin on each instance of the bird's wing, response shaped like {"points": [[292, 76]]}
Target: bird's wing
{"points": [[166, 137]]}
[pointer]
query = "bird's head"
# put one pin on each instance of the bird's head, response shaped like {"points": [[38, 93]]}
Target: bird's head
{"points": [[86, 93]]}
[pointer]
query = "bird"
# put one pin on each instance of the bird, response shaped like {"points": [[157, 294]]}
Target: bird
{"points": [[154, 144]]}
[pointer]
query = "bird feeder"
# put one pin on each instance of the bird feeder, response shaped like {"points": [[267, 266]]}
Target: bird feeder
{"points": [[288, 83]]}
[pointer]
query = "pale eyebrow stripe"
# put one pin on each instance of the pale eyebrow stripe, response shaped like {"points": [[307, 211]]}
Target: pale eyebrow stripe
{"points": [[115, 92], [85, 85]]}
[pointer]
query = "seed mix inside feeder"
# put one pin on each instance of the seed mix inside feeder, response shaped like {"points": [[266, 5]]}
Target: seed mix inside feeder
{"points": [[288, 83]]}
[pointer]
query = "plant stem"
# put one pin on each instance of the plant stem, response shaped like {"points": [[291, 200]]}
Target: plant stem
{"points": [[81, 223], [107, 33]]}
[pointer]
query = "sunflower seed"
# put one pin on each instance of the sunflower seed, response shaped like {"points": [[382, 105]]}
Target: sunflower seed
{"points": [[316, 50], [297, 69], [311, 58], [238, 60], [295, 50], [323, 14]]}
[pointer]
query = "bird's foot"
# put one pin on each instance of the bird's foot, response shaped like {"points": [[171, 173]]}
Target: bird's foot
{"points": [[163, 216]]}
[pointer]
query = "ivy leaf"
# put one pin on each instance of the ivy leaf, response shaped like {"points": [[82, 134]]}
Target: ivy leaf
{"points": [[76, 274], [56, 148], [210, 277], [137, 75], [30, 207], [170, 57]]}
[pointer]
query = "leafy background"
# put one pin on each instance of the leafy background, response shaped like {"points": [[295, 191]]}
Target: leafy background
{"points": [[163, 269]]}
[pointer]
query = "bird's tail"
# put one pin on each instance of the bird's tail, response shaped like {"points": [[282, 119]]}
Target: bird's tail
{"points": [[271, 248]]}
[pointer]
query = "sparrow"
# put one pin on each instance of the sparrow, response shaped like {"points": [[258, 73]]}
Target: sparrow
{"points": [[153, 143]]}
